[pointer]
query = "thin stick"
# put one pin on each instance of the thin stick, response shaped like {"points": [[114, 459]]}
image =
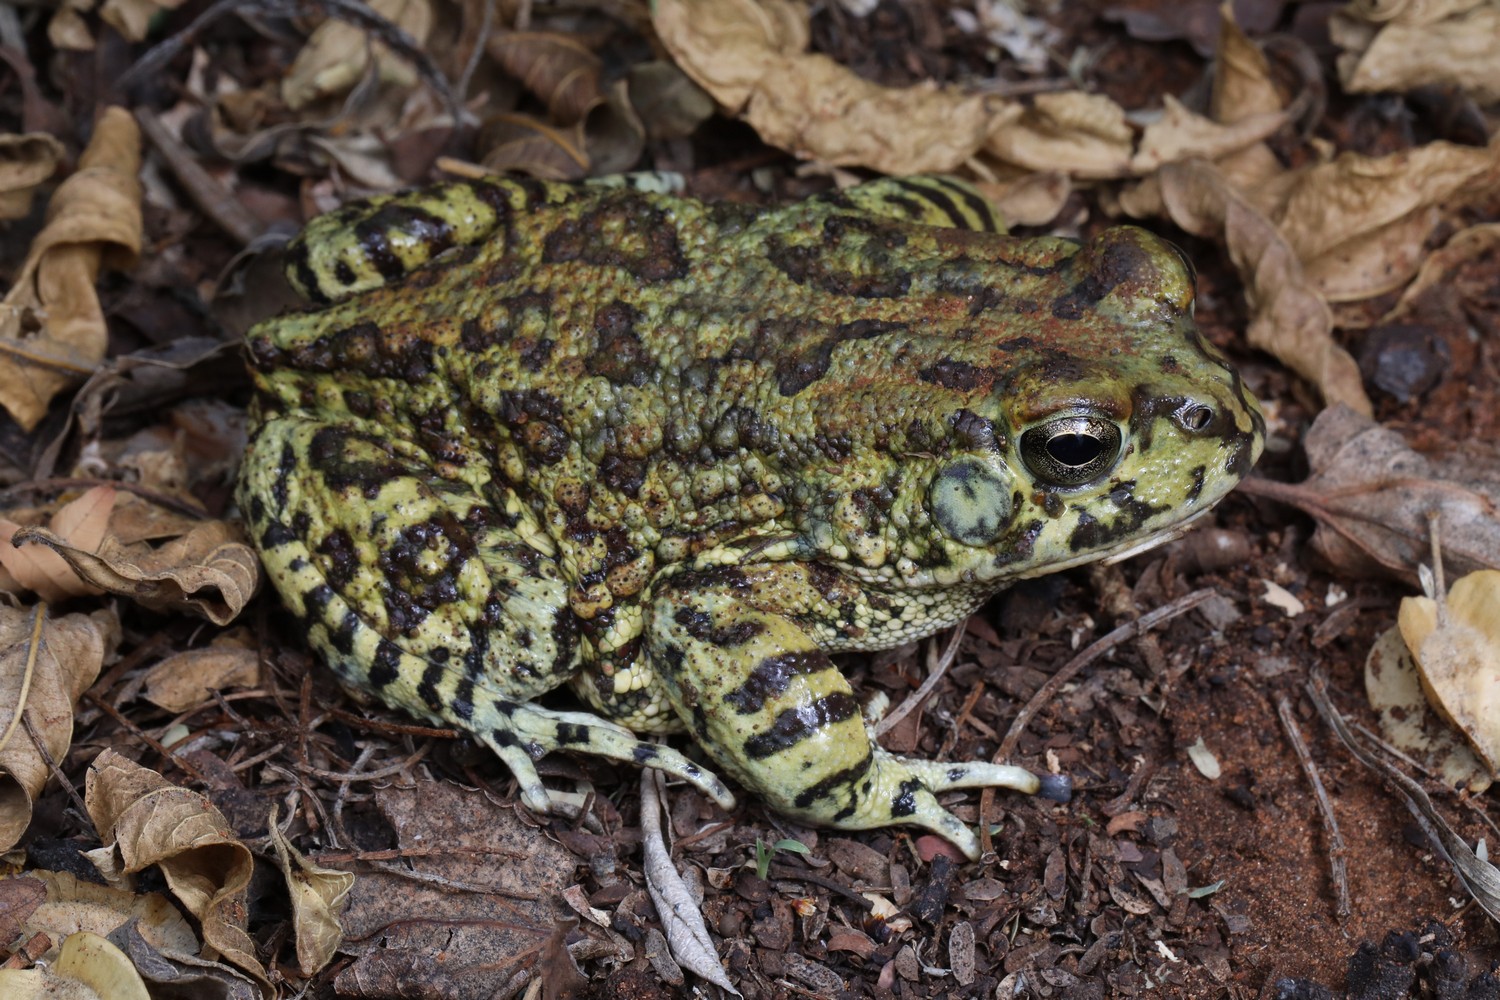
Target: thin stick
{"points": [[1337, 852], [935, 672], [1047, 691]]}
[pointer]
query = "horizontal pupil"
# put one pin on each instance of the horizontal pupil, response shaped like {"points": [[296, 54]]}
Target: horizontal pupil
{"points": [[1073, 449]]}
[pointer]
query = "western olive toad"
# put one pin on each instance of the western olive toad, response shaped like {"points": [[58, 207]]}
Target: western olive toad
{"points": [[674, 454]]}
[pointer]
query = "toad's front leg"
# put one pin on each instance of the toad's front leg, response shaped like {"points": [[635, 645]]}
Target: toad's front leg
{"points": [[734, 649]]}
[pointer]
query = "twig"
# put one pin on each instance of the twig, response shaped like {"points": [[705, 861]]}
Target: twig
{"points": [[935, 672], [213, 199], [62, 779], [796, 875], [1119, 636], [1047, 691], [150, 741], [1338, 866]]}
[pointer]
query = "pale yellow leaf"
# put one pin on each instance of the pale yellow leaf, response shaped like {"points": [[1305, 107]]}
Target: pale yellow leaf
{"points": [[185, 679], [25, 162], [91, 960], [1409, 723], [93, 219], [318, 899], [45, 666], [1457, 649]]}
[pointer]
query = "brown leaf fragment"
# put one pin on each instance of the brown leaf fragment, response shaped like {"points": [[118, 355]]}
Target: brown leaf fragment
{"points": [[670, 104], [209, 571], [1288, 316], [471, 923], [26, 161], [318, 898], [1372, 497], [19, 898], [146, 820], [82, 523], [555, 67], [338, 54], [52, 329], [185, 679], [46, 664], [849, 939], [1404, 46], [521, 143], [751, 56]]}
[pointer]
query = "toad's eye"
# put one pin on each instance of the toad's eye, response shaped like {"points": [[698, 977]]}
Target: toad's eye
{"points": [[1072, 450]]}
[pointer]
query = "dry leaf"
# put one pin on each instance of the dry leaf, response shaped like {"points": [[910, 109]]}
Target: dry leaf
{"points": [[1437, 268], [1180, 134], [69, 31], [208, 571], [1456, 642], [1404, 46], [338, 54], [184, 680], [45, 666], [522, 143], [1407, 720], [418, 936], [1359, 222], [680, 914], [318, 898], [82, 523], [132, 18], [1082, 134], [1288, 316], [26, 161], [670, 104], [1031, 200], [145, 820], [751, 57], [96, 963], [72, 905], [93, 220], [1371, 496], [554, 67]]}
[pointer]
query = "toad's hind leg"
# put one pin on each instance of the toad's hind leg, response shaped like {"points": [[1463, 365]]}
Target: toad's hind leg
{"points": [[738, 659], [435, 597]]}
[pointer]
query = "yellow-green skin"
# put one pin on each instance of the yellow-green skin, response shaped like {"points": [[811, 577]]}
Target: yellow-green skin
{"points": [[675, 453]]}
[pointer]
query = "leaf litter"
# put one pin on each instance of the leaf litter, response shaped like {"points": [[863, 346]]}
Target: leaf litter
{"points": [[1315, 227]]}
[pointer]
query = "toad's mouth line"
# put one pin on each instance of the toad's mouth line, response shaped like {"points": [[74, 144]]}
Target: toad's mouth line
{"points": [[1173, 533]]}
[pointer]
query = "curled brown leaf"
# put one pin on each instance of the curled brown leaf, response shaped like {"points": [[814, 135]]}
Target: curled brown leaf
{"points": [[45, 666], [146, 820], [210, 570], [1372, 497], [93, 220]]}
